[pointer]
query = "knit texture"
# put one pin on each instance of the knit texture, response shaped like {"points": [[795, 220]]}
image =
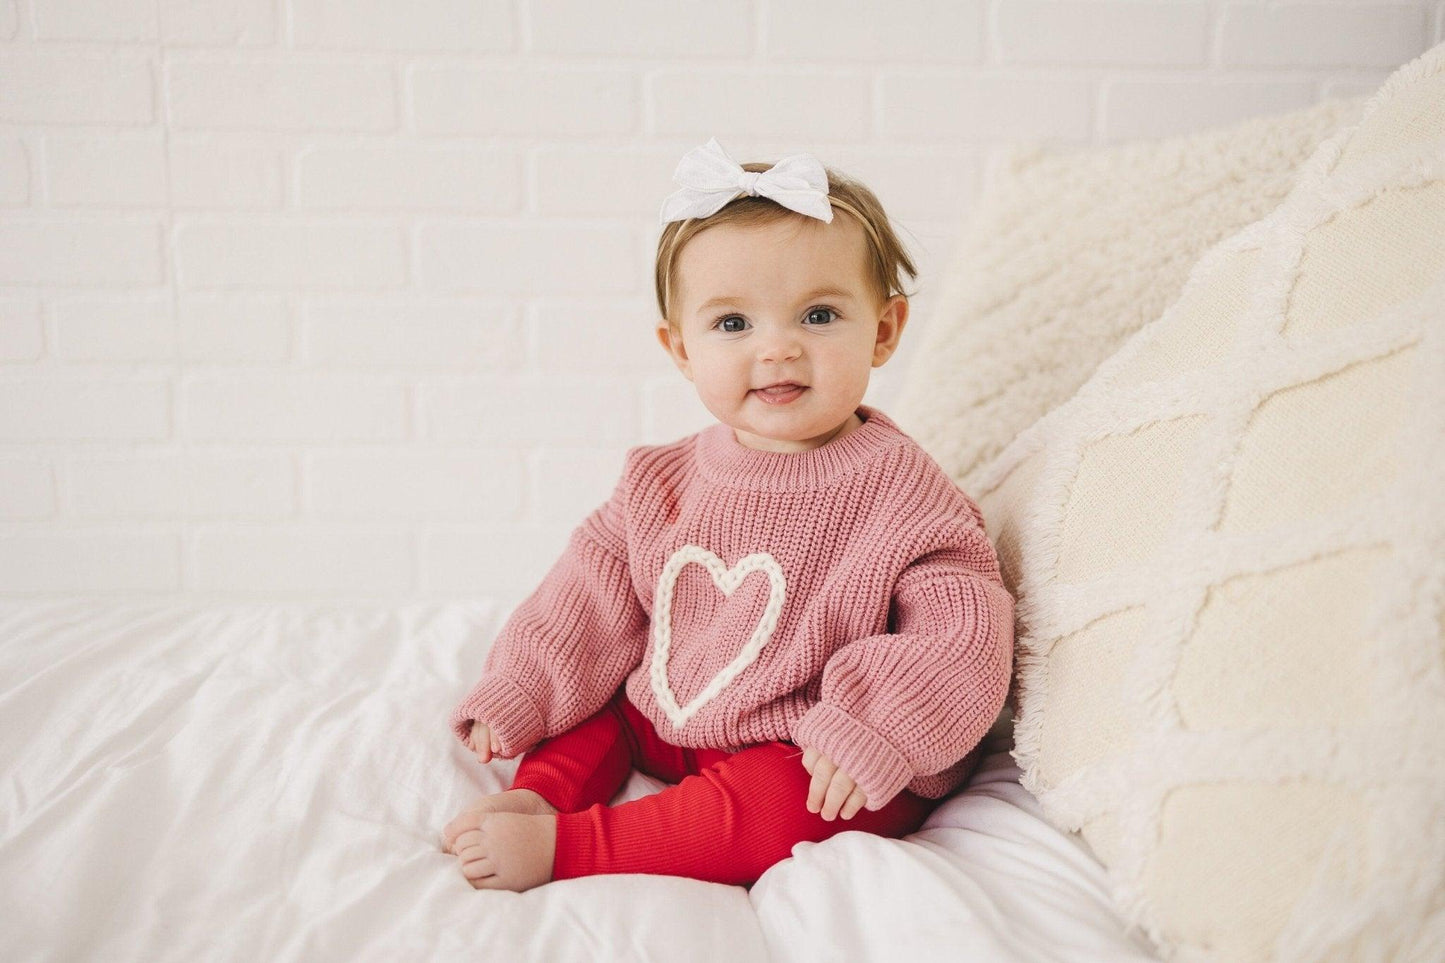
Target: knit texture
{"points": [[845, 598]]}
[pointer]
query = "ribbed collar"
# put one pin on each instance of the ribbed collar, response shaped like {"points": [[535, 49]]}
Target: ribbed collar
{"points": [[723, 459]]}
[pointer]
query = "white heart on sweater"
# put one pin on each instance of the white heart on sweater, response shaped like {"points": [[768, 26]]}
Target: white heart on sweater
{"points": [[726, 579]]}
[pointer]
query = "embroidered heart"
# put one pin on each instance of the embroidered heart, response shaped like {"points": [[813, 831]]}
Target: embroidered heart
{"points": [[726, 579]]}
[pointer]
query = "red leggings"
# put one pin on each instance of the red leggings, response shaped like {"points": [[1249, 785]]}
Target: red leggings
{"points": [[730, 817]]}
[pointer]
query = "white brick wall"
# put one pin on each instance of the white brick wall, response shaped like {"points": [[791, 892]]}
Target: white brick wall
{"points": [[352, 298]]}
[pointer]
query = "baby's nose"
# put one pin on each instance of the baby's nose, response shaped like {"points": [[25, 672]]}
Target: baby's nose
{"points": [[779, 347]]}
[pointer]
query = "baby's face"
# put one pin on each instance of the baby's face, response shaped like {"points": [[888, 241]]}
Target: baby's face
{"points": [[789, 301]]}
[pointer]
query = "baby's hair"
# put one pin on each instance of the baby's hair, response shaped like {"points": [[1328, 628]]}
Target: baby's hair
{"points": [[887, 256]]}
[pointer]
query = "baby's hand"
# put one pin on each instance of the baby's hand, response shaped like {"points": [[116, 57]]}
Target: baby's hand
{"points": [[481, 741], [832, 789]]}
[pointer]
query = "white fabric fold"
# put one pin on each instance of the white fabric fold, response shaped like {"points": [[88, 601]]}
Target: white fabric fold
{"points": [[259, 781]]}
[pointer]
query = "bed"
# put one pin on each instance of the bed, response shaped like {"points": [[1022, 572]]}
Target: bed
{"points": [[268, 781]]}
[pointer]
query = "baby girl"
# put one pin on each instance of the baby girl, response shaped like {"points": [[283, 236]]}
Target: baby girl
{"points": [[793, 617]]}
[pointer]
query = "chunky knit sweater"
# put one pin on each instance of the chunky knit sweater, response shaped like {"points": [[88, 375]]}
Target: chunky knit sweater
{"points": [[845, 598]]}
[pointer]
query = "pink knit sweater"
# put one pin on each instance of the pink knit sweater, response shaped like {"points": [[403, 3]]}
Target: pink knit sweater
{"points": [[845, 598]]}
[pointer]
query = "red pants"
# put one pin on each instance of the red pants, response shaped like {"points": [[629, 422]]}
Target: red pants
{"points": [[730, 817]]}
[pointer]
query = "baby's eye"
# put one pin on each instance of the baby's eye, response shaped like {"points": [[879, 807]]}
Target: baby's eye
{"points": [[722, 323], [828, 314]]}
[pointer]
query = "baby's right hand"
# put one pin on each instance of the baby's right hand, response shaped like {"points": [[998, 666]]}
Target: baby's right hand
{"points": [[481, 741]]}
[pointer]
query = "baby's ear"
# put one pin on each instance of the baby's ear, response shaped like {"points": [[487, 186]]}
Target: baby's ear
{"points": [[671, 340]]}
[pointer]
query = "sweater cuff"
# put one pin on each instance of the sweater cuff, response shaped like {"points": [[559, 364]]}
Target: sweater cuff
{"points": [[878, 769], [506, 707]]}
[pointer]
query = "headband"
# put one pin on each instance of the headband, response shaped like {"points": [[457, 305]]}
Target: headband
{"points": [[710, 178]]}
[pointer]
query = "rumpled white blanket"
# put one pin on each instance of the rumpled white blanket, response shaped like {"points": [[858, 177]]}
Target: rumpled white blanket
{"points": [[269, 781]]}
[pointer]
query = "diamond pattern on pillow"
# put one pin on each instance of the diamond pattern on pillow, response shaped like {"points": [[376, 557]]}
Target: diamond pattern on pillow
{"points": [[1116, 512], [1237, 625], [1228, 550], [1405, 224], [1317, 444], [1068, 254]]}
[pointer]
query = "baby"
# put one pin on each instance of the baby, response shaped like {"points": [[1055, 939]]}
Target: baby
{"points": [[793, 617]]}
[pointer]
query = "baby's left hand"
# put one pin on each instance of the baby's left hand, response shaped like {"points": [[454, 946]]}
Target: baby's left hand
{"points": [[833, 790]]}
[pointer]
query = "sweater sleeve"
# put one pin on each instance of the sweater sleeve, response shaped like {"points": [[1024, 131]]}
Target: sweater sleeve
{"points": [[568, 646], [916, 700]]}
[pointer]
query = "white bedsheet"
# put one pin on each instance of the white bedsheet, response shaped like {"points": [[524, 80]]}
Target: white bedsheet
{"points": [[269, 781]]}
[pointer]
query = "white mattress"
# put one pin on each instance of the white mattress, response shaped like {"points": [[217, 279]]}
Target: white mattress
{"points": [[268, 782]]}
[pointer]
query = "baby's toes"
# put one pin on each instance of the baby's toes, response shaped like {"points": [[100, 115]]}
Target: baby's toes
{"points": [[477, 868], [480, 874], [471, 819], [472, 857]]}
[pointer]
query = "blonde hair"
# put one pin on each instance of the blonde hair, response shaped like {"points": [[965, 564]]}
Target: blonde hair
{"points": [[887, 256]]}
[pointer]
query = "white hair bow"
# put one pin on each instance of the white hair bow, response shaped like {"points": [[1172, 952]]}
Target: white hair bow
{"points": [[710, 178]]}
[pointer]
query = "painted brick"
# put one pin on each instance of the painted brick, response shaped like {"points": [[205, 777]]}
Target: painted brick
{"points": [[912, 183], [1345, 89], [293, 408], [571, 411], [290, 561], [27, 487], [571, 482], [525, 101], [502, 563], [479, 26], [525, 257], [224, 171], [671, 409], [466, 486], [588, 335], [114, 329], [276, 94], [394, 261], [411, 333], [113, 20], [21, 336], [485, 180], [1322, 35], [128, 170], [66, 561], [1161, 108], [233, 329], [720, 28], [63, 88], [196, 484], [952, 106], [80, 252], [854, 30], [811, 105], [581, 181], [1108, 34], [14, 171], [218, 22], [76, 409], [290, 253]]}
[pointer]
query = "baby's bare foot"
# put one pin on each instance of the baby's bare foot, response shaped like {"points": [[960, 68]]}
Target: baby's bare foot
{"points": [[511, 801], [503, 850]]}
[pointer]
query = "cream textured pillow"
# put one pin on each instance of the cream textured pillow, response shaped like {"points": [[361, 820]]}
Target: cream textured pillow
{"points": [[1228, 550], [1069, 254]]}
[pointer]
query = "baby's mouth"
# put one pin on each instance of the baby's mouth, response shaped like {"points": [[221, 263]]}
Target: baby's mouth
{"points": [[781, 392]]}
